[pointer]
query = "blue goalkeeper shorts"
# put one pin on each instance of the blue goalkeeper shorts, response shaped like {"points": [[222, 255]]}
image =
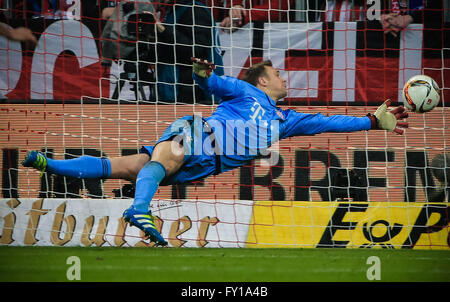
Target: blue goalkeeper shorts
{"points": [[197, 165]]}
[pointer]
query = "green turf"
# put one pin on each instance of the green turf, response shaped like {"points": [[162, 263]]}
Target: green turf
{"points": [[222, 265]]}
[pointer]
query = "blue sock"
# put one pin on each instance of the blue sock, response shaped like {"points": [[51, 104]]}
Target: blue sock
{"points": [[82, 167], [147, 183]]}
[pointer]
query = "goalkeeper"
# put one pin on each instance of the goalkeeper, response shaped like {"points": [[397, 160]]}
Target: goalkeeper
{"points": [[244, 125]]}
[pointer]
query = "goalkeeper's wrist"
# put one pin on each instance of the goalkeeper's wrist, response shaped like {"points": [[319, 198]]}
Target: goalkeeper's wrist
{"points": [[373, 121]]}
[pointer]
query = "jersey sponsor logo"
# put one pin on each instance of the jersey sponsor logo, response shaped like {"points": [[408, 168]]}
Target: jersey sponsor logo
{"points": [[258, 111]]}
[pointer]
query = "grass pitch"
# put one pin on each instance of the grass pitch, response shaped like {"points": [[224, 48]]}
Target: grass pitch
{"points": [[221, 265]]}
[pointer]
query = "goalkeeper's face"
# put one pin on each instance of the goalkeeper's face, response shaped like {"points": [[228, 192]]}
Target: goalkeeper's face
{"points": [[275, 83]]}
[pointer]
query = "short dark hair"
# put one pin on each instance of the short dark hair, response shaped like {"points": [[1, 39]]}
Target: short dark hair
{"points": [[255, 71]]}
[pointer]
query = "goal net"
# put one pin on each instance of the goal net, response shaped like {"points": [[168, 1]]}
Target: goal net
{"points": [[105, 87]]}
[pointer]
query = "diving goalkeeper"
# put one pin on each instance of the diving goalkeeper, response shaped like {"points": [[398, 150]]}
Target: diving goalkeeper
{"points": [[244, 125]]}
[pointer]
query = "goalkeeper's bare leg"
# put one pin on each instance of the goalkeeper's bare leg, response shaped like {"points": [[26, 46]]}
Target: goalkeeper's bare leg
{"points": [[166, 159], [128, 167], [146, 171]]}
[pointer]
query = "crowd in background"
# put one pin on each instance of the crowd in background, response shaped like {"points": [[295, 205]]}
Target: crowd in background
{"points": [[231, 13], [181, 33]]}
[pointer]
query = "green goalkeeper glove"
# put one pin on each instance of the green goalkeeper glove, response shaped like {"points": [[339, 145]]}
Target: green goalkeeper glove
{"points": [[388, 120], [202, 68]]}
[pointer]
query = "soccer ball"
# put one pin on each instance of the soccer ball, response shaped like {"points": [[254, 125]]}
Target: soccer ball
{"points": [[420, 93]]}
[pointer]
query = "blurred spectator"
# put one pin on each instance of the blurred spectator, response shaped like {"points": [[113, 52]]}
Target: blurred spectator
{"points": [[341, 10], [187, 30], [107, 8], [21, 34], [218, 7], [395, 15], [118, 42], [69, 9], [34, 6], [400, 14], [52, 9], [46, 9], [242, 12], [129, 37]]}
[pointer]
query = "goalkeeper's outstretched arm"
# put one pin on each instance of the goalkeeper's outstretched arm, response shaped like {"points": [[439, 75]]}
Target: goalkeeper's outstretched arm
{"points": [[298, 123]]}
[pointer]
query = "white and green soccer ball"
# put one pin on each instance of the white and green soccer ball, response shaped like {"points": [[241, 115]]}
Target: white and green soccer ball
{"points": [[420, 94]]}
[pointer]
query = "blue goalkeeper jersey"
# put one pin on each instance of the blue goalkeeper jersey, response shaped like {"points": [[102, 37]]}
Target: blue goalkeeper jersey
{"points": [[247, 121]]}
